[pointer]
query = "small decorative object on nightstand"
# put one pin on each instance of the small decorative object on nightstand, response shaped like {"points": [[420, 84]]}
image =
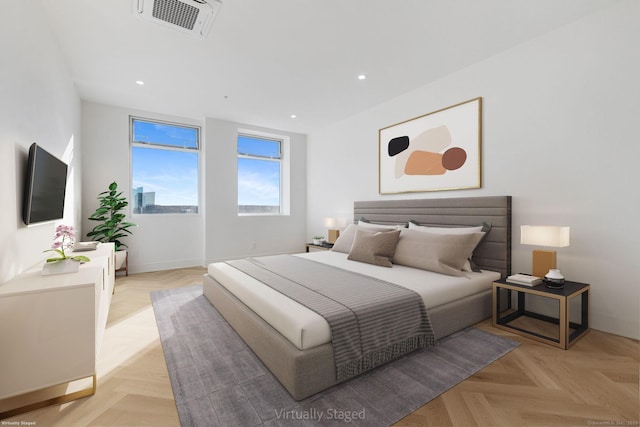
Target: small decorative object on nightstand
{"points": [[554, 279], [521, 320]]}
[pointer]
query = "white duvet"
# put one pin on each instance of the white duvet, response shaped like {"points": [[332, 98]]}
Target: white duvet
{"points": [[307, 329]]}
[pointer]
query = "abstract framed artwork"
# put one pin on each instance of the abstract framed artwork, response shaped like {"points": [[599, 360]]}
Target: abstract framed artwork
{"points": [[434, 152]]}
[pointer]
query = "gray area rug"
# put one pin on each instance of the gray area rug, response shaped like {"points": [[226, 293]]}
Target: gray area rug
{"points": [[218, 381]]}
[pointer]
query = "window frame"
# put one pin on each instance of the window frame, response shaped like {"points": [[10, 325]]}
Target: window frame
{"points": [[284, 143], [151, 145]]}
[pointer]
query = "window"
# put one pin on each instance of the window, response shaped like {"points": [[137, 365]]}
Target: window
{"points": [[164, 167], [261, 174]]}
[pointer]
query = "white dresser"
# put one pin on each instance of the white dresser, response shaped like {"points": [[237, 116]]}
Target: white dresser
{"points": [[51, 327]]}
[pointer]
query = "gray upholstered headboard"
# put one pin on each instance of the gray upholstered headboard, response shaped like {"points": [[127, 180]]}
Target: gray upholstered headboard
{"points": [[493, 253]]}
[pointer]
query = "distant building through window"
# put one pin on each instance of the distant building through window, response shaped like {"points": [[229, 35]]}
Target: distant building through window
{"points": [[164, 167]]}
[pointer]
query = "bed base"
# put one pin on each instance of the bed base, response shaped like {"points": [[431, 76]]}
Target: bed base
{"points": [[306, 372]]}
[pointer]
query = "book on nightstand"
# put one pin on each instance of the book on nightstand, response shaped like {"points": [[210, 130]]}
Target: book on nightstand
{"points": [[524, 279]]}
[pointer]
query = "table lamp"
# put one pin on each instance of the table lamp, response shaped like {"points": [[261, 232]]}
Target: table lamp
{"points": [[334, 225], [544, 262]]}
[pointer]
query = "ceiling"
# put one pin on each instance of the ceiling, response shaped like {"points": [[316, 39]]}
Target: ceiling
{"points": [[265, 60]]}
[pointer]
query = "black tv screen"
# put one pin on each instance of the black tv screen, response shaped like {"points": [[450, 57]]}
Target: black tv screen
{"points": [[45, 186]]}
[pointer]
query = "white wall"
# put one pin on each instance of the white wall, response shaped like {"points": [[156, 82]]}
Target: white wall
{"points": [[560, 135], [38, 104], [216, 233], [231, 236], [159, 242]]}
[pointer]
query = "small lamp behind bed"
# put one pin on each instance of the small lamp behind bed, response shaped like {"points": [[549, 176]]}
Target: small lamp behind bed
{"points": [[334, 225], [544, 262]]}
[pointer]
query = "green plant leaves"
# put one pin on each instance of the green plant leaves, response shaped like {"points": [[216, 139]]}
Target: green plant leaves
{"points": [[113, 227]]}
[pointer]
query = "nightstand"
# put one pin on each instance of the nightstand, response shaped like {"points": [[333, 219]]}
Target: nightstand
{"points": [[314, 248], [558, 331]]}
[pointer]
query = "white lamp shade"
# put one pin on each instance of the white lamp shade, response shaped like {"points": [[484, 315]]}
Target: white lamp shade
{"points": [[544, 235], [334, 223]]}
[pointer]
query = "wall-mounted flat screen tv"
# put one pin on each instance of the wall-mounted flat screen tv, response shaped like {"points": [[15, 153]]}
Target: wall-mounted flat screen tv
{"points": [[45, 186]]}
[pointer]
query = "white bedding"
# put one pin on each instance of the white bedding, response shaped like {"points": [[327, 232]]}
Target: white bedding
{"points": [[307, 329]]}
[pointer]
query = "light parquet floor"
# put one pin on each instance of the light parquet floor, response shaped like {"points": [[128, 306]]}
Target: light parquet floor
{"points": [[595, 383]]}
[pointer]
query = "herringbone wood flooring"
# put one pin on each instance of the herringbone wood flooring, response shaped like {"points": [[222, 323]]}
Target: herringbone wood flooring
{"points": [[593, 383]]}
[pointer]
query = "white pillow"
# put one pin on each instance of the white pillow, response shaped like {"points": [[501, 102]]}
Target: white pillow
{"points": [[469, 265], [345, 240], [441, 253], [377, 227]]}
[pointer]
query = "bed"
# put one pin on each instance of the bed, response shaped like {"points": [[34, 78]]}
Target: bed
{"points": [[295, 343]]}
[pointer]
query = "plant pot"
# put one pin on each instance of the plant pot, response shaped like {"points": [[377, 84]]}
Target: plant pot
{"points": [[121, 257], [60, 267]]}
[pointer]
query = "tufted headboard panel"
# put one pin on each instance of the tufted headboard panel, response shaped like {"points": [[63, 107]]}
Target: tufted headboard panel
{"points": [[493, 253]]}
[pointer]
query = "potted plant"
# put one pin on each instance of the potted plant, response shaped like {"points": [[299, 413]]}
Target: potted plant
{"points": [[318, 240], [113, 226]]}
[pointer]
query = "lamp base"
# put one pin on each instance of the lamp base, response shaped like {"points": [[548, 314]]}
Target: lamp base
{"points": [[333, 236], [542, 262]]}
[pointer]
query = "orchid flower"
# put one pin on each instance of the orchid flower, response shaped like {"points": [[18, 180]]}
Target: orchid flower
{"points": [[63, 239]]}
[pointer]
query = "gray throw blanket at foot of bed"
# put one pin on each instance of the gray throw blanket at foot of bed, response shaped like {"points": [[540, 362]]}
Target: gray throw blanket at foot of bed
{"points": [[371, 321]]}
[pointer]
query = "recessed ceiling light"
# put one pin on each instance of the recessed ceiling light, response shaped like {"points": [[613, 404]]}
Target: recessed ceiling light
{"points": [[362, 77], [139, 82], [293, 116]]}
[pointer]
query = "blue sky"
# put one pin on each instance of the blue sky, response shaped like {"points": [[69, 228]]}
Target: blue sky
{"points": [[173, 175], [258, 180]]}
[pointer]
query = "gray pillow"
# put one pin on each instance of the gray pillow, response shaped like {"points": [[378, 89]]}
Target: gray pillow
{"points": [[374, 247], [440, 253], [345, 240]]}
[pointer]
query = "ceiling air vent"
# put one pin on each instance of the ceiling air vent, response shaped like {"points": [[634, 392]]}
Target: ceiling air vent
{"points": [[188, 16]]}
